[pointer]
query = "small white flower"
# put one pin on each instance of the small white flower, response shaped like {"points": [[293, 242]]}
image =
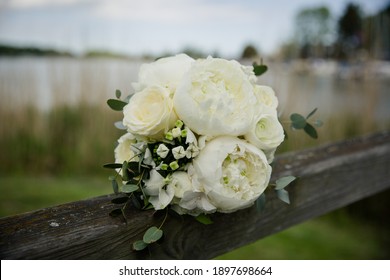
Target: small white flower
{"points": [[192, 151], [148, 158], [178, 152], [176, 132], [162, 151], [160, 196]]}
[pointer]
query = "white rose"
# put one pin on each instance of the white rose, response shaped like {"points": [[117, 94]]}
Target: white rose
{"points": [[166, 72], [150, 113], [232, 172], [124, 152], [266, 133], [215, 98], [266, 98]]}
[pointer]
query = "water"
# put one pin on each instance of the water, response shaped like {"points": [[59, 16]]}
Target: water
{"points": [[358, 91]]}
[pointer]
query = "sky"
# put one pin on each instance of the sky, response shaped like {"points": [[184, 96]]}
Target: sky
{"points": [[138, 27]]}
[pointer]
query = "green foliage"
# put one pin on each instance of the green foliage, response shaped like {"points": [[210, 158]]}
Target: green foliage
{"points": [[204, 219], [297, 121], [283, 195], [139, 245], [112, 165], [152, 235], [129, 188], [300, 122], [260, 203], [259, 69], [116, 105], [283, 182]]}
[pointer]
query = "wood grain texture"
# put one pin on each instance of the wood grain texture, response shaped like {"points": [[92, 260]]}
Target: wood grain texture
{"points": [[330, 177]]}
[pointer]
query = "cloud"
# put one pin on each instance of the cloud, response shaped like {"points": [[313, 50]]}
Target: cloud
{"points": [[172, 11], [25, 4]]}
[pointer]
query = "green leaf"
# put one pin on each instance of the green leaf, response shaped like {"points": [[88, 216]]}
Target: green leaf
{"points": [[204, 219], [116, 105], [136, 202], [152, 235], [116, 212], [298, 121], [311, 113], [259, 69], [139, 245], [120, 200], [118, 93], [311, 131], [125, 176], [115, 186], [260, 203], [112, 165], [283, 195], [129, 188], [283, 182]]}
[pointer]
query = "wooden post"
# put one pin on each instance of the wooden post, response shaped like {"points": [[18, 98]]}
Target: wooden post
{"points": [[330, 177]]}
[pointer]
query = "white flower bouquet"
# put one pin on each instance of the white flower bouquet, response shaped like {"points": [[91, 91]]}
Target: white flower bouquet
{"points": [[200, 138]]}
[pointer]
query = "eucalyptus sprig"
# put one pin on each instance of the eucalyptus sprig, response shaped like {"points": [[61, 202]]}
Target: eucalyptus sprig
{"points": [[279, 187], [300, 122]]}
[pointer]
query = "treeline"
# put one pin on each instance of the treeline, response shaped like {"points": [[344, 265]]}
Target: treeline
{"points": [[353, 35], [7, 50]]}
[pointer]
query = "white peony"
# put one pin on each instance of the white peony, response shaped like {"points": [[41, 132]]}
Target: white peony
{"points": [[232, 172], [194, 203], [216, 98], [267, 133], [123, 151], [150, 113], [165, 72]]}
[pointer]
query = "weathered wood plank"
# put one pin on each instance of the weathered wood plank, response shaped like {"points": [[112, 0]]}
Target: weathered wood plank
{"points": [[331, 177]]}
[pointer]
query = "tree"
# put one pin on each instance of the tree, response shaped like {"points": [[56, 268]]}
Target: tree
{"points": [[313, 30], [349, 33], [249, 52]]}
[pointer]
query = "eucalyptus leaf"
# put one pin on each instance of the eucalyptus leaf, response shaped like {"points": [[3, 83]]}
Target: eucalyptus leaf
{"points": [[283, 182], [318, 123], [283, 195], [260, 203], [311, 113], [119, 125], [129, 188], [118, 93], [120, 200], [112, 165], [139, 245], [259, 69], [311, 131], [116, 212], [298, 121], [136, 202], [204, 219], [115, 186], [116, 105], [125, 175], [152, 235]]}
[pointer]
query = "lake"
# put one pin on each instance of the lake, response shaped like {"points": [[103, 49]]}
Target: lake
{"points": [[357, 91]]}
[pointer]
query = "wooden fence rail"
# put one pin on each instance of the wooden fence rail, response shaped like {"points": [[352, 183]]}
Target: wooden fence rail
{"points": [[330, 177]]}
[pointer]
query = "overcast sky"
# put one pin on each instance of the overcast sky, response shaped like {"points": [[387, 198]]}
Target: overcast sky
{"points": [[156, 26]]}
